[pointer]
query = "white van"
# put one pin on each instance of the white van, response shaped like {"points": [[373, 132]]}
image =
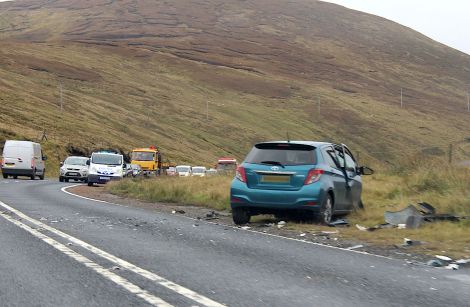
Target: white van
{"points": [[105, 166], [23, 158], [183, 170]]}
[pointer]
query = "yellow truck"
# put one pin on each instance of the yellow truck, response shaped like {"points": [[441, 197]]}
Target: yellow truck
{"points": [[149, 159]]}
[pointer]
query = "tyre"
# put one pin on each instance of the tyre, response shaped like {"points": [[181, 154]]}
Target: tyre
{"points": [[5, 176], [61, 179], [32, 177], [360, 206], [66, 179], [326, 211], [240, 216], [90, 184], [15, 177], [85, 180], [41, 177]]}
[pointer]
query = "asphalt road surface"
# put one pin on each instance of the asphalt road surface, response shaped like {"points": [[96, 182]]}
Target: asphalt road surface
{"points": [[60, 250]]}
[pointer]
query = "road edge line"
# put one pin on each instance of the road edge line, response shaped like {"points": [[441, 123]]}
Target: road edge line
{"points": [[64, 189]]}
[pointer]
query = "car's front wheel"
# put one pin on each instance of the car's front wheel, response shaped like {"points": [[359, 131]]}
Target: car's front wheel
{"points": [[5, 176], [61, 179], [326, 211], [240, 216], [90, 184]]}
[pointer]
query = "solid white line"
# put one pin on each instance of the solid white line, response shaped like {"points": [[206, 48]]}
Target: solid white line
{"points": [[64, 189], [120, 262], [122, 282]]}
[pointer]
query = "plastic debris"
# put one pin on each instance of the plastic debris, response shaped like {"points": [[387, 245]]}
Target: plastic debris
{"points": [[302, 235], [435, 263], [281, 224], [339, 223], [361, 228], [178, 211], [355, 247], [445, 258], [245, 227], [452, 266], [409, 242]]}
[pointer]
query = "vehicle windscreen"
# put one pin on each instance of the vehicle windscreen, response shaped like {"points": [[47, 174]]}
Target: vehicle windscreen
{"points": [[198, 170], [75, 161], [229, 166], [107, 159], [182, 169], [143, 156], [282, 154]]}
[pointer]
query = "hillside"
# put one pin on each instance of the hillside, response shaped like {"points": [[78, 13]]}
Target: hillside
{"points": [[143, 72]]}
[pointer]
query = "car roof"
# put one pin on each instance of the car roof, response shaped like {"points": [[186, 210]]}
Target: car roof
{"points": [[78, 157], [309, 143]]}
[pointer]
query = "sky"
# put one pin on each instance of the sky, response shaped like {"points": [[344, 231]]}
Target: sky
{"points": [[447, 21]]}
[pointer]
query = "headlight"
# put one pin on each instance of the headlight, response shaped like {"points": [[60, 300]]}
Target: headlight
{"points": [[92, 169], [62, 170]]}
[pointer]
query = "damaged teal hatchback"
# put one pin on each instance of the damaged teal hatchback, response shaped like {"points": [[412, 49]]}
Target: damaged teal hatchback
{"points": [[317, 179]]}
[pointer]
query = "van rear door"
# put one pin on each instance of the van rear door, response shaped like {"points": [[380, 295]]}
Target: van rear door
{"points": [[18, 156]]}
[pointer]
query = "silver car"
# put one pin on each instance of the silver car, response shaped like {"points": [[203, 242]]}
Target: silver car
{"points": [[75, 168]]}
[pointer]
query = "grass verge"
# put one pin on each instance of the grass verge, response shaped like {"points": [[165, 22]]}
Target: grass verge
{"points": [[447, 189]]}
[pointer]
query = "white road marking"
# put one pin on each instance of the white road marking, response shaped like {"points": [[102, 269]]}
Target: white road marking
{"points": [[64, 189], [205, 301], [122, 282]]}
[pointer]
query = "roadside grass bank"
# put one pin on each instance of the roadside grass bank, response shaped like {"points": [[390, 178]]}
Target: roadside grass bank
{"points": [[211, 192], [444, 187]]}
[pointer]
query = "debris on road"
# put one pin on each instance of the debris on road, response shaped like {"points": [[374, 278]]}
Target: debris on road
{"points": [[281, 224], [444, 258], [409, 242], [245, 227], [339, 223], [178, 211], [435, 263], [452, 266], [355, 247], [412, 218]]}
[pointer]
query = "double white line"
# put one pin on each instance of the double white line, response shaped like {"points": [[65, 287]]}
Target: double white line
{"points": [[132, 288]]}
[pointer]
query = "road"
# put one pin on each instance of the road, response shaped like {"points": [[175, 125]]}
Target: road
{"points": [[61, 250]]}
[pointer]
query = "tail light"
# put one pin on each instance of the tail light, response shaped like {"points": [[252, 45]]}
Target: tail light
{"points": [[240, 174], [33, 163], [2, 161], [313, 176]]}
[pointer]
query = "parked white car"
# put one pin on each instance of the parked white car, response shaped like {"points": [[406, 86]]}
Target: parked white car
{"points": [[75, 168], [183, 170], [23, 158], [199, 171]]}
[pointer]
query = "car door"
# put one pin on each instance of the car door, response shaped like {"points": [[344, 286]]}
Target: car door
{"points": [[337, 178], [354, 180]]}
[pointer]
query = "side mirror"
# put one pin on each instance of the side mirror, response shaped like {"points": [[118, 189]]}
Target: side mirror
{"points": [[44, 158], [88, 162], [61, 163], [364, 170]]}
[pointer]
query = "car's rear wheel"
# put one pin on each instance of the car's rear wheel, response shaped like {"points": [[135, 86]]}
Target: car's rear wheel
{"points": [[90, 184], [240, 216], [326, 211]]}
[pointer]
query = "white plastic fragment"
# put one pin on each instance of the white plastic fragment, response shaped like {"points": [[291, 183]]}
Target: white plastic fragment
{"points": [[445, 258], [452, 266], [355, 247]]}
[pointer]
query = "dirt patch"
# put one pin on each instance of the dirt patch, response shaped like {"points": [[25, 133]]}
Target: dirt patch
{"points": [[330, 236]]}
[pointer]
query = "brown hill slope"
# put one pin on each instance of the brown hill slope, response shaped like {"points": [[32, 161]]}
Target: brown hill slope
{"points": [[139, 72]]}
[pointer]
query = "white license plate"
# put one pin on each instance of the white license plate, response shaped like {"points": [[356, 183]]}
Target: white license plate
{"points": [[105, 178]]}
